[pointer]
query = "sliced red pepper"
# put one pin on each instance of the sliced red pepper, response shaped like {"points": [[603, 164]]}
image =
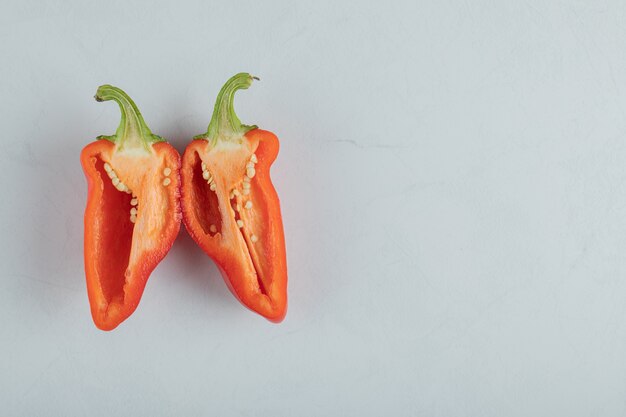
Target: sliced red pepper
{"points": [[133, 211], [231, 208]]}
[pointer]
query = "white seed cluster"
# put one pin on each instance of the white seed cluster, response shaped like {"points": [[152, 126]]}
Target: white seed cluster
{"points": [[208, 177], [120, 186], [250, 173], [246, 187], [115, 180], [133, 208], [233, 194], [166, 173]]}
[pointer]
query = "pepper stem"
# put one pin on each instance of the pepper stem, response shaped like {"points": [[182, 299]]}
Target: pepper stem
{"points": [[225, 125], [133, 132]]}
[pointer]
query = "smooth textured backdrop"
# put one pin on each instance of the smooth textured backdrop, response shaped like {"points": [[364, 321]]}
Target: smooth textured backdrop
{"points": [[453, 185]]}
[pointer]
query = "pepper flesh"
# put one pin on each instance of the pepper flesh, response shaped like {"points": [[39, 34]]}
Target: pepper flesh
{"points": [[231, 208], [133, 212]]}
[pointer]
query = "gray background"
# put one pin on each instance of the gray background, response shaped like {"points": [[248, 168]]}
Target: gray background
{"points": [[453, 190]]}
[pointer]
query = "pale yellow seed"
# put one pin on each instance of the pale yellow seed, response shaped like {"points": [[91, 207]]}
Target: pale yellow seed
{"points": [[167, 171], [250, 172], [253, 158], [120, 186], [250, 165], [127, 190], [133, 211], [107, 167], [240, 223], [213, 186], [253, 238], [212, 228], [206, 175], [203, 165], [248, 204], [246, 179], [246, 191], [246, 186], [111, 174], [235, 192], [115, 181], [166, 182], [133, 202], [133, 219]]}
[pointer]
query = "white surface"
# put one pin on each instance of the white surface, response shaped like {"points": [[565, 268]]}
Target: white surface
{"points": [[453, 188]]}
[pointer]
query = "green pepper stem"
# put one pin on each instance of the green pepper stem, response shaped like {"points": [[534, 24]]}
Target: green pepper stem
{"points": [[225, 125], [133, 132]]}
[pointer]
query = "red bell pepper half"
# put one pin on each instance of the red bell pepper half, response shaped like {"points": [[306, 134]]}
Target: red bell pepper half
{"points": [[133, 211], [231, 208]]}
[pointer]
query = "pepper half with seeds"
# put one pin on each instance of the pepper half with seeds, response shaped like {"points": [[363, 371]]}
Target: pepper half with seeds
{"points": [[231, 208], [133, 211]]}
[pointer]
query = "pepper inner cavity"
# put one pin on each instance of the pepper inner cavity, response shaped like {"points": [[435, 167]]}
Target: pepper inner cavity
{"points": [[204, 188], [114, 234]]}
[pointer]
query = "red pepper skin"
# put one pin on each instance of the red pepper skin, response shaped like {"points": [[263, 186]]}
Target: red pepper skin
{"points": [[120, 254], [250, 255]]}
